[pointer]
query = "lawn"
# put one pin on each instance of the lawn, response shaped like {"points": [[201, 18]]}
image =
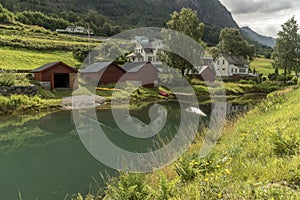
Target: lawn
{"points": [[262, 65], [15, 58]]}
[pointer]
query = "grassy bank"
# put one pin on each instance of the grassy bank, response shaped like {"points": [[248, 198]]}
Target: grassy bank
{"points": [[257, 157], [23, 104]]}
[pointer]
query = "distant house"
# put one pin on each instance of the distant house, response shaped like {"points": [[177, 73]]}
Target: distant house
{"points": [[145, 50], [56, 75], [73, 29], [103, 72], [141, 73], [227, 65], [206, 74]]}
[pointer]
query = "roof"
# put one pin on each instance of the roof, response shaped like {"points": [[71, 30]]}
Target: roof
{"points": [[205, 68], [96, 67], [135, 66], [51, 65], [235, 60]]}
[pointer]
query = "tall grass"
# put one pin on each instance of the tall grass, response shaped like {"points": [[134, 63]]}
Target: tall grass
{"points": [[257, 157]]}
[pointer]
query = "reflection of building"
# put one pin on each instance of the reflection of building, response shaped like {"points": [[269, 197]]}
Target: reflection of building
{"points": [[55, 75], [230, 109], [230, 65], [145, 50]]}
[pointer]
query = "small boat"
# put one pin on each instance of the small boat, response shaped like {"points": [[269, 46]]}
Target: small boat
{"points": [[195, 110], [165, 94]]}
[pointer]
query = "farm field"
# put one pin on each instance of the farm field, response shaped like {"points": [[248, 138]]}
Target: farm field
{"points": [[25, 59]]}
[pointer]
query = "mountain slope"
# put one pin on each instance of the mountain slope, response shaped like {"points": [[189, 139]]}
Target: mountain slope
{"points": [[130, 12], [252, 35]]}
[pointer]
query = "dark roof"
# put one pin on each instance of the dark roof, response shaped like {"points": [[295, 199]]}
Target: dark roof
{"points": [[235, 60], [96, 67], [134, 66], [205, 68], [50, 65]]}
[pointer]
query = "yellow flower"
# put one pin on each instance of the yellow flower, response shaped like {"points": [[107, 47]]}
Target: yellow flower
{"points": [[218, 166], [227, 171], [220, 195], [207, 163], [206, 179]]}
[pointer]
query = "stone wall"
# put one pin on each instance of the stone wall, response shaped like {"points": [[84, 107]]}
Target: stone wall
{"points": [[23, 90]]}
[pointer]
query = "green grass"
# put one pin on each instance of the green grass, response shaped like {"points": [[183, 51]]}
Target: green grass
{"points": [[24, 59], [262, 65], [257, 157]]}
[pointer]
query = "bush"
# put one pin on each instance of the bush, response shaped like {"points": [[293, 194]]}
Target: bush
{"points": [[128, 186], [286, 144], [6, 79]]}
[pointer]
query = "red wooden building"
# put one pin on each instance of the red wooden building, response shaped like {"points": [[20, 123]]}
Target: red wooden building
{"points": [[206, 74], [56, 75], [141, 73], [103, 72]]}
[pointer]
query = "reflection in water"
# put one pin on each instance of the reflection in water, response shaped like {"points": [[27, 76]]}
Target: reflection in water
{"points": [[57, 123], [45, 159]]}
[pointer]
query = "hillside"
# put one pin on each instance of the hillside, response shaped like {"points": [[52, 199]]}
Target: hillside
{"points": [[267, 41], [131, 13]]}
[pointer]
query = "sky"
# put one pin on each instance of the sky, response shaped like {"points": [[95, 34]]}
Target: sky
{"points": [[263, 16]]}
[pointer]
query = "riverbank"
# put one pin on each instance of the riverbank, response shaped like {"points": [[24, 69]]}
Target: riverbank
{"points": [[238, 92], [257, 157]]}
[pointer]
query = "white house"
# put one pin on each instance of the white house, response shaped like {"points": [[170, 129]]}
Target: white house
{"points": [[227, 65], [145, 50], [73, 29]]}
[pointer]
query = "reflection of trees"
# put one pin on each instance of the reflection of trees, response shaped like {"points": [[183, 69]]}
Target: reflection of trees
{"points": [[24, 131]]}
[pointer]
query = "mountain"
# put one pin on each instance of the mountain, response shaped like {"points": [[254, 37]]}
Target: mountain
{"points": [[132, 13], [252, 35]]}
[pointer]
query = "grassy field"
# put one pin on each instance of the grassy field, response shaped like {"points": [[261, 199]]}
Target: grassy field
{"points": [[257, 157], [262, 65], [15, 58]]}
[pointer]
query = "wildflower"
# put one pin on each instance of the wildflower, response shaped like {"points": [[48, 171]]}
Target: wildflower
{"points": [[227, 171], [220, 195], [218, 166], [207, 163], [206, 179]]}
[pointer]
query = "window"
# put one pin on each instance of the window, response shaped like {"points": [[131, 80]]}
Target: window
{"points": [[235, 70], [231, 70], [218, 62], [223, 62], [242, 71], [150, 59]]}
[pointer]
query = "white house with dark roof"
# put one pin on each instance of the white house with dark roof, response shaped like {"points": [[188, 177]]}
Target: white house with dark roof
{"points": [[227, 65], [145, 50]]}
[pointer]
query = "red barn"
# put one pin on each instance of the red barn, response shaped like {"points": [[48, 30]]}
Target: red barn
{"points": [[56, 75], [206, 74], [103, 72], [141, 73]]}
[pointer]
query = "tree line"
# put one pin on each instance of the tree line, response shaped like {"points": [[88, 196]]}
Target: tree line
{"points": [[98, 23]]}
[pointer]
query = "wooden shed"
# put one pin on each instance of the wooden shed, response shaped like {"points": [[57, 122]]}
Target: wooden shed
{"points": [[56, 75], [103, 72], [141, 73], [206, 74]]}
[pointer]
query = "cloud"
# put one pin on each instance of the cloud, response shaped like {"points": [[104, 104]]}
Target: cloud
{"points": [[263, 16], [258, 6]]}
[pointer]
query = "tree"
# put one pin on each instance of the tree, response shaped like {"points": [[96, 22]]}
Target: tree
{"points": [[286, 54], [187, 23], [231, 42]]}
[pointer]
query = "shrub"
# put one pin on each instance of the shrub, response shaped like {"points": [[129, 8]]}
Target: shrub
{"points": [[6, 79], [286, 144], [128, 186]]}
